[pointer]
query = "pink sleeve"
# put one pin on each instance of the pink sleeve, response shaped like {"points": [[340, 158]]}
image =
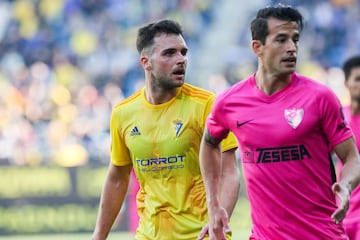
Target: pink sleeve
{"points": [[333, 122], [214, 123]]}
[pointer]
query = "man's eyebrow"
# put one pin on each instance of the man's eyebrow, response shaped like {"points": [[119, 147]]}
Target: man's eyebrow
{"points": [[287, 34], [168, 50]]}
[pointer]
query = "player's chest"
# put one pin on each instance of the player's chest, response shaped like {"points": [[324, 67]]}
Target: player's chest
{"points": [[167, 130], [274, 120]]}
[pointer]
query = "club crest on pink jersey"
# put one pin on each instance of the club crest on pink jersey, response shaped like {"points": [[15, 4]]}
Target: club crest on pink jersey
{"points": [[294, 116]]}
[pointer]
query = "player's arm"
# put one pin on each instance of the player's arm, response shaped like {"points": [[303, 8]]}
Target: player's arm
{"points": [[210, 165], [229, 186], [349, 176], [230, 181], [112, 198]]}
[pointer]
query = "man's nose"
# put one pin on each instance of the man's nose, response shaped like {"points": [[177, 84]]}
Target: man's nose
{"points": [[182, 60], [291, 46]]}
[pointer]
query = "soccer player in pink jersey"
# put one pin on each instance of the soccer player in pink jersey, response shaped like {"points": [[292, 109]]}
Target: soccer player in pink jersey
{"points": [[351, 70], [286, 126]]}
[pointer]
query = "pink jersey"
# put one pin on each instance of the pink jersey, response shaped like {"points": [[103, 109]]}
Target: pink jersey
{"points": [[354, 123], [352, 219], [285, 142]]}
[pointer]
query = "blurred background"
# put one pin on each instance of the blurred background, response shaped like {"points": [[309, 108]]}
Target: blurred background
{"points": [[65, 63]]}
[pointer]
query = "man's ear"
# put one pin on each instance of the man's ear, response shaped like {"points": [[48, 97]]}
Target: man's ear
{"points": [[256, 46], [144, 60]]}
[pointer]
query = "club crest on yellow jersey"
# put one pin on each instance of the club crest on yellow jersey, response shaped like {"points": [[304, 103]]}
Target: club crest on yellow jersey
{"points": [[178, 124]]}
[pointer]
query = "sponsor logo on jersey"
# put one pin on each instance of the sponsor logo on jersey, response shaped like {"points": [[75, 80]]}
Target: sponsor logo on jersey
{"points": [[294, 116], [161, 163], [282, 154], [135, 131], [342, 113], [343, 124], [239, 124], [177, 126]]}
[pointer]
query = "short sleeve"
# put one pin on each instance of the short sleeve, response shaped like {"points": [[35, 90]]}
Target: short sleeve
{"points": [[229, 142], [214, 122], [332, 119], [119, 152]]}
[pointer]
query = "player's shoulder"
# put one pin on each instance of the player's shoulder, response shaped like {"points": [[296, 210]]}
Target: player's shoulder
{"points": [[347, 111], [347, 107], [196, 92], [312, 84], [239, 89], [308, 80], [316, 89], [129, 101]]}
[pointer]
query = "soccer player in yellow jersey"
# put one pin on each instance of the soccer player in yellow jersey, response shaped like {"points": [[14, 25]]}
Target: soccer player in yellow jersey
{"points": [[157, 132]]}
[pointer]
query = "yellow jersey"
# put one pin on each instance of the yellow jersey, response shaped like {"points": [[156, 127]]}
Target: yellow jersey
{"points": [[162, 142]]}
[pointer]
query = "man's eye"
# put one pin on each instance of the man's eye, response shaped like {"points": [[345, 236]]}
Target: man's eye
{"points": [[168, 53]]}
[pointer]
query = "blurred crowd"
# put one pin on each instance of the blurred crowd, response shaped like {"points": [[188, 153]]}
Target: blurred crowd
{"points": [[65, 63]]}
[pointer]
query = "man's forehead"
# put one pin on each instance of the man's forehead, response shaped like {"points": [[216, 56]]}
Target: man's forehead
{"points": [[168, 41], [355, 71], [277, 24]]}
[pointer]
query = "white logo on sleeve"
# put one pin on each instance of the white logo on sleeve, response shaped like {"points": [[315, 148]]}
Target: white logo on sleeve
{"points": [[294, 116]]}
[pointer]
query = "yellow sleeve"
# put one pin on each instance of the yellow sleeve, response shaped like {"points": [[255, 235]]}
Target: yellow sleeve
{"points": [[229, 142], [119, 153]]}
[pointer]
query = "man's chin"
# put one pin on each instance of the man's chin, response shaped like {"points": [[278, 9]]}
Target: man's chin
{"points": [[289, 70], [174, 85], [179, 83]]}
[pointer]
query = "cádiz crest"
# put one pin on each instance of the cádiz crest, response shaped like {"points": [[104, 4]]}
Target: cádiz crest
{"points": [[177, 126], [294, 116]]}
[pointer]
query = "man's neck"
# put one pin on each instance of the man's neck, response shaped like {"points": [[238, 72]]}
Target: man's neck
{"points": [[355, 107], [158, 96], [269, 83]]}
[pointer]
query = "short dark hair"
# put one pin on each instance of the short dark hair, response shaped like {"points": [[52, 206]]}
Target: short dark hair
{"points": [[146, 34], [259, 26], [349, 64]]}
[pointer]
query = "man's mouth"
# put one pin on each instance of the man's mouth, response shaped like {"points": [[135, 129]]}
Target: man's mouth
{"points": [[179, 72], [289, 60]]}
